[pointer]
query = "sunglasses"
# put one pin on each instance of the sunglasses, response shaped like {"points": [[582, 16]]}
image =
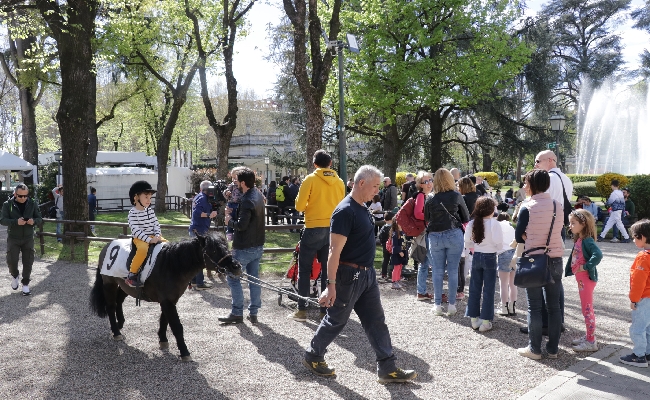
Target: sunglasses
{"points": [[22, 196], [427, 181]]}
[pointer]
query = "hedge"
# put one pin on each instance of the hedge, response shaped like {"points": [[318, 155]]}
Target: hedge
{"points": [[585, 189], [491, 177], [640, 194], [575, 178], [604, 183]]}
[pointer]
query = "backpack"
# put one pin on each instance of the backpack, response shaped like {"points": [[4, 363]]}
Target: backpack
{"points": [[405, 217], [413, 190], [51, 213], [279, 193], [389, 245], [271, 195], [567, 203]]}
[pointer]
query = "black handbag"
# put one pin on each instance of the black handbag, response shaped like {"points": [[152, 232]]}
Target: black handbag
{"points": [[535, 270]]}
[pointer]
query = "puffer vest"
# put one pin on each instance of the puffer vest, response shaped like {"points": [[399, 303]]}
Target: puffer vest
{"points": [[540, 211]]}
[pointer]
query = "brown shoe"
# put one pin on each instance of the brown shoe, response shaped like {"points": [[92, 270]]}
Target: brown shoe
{"points": [[424, 297]]}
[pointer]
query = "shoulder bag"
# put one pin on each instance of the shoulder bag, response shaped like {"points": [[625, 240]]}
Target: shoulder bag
{"points": [[534, 270]]}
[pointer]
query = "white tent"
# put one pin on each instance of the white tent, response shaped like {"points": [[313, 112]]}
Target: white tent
{"points": [[11, 163]]}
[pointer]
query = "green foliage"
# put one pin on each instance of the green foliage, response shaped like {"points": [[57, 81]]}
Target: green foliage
{"points": [[575, 178], [507, 182], [498, 185], [491, 177], [604, 183], [640, 194], [47, 178], [5, 195], [585, 189], [200, 175]]}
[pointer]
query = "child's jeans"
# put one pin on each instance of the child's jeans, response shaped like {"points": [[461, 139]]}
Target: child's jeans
{"points": [[640, 328], [586, 291], [233, 215]]}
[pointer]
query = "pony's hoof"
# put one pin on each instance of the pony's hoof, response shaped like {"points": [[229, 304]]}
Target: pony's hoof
{"points": [[186, 358], [163, 345], [117, 337]]}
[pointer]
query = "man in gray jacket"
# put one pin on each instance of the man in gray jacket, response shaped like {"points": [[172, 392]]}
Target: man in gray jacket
{"points": [[19, 215], [390, 195]]}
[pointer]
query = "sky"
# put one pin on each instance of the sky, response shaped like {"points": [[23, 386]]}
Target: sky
{"points": [[253, 72]]}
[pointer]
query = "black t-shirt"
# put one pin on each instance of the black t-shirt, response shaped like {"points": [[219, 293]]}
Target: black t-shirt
{"points": [[355, 222]]}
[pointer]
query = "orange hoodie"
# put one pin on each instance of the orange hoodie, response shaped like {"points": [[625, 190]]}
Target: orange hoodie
{"points": [[640, 277], [319, 194]]}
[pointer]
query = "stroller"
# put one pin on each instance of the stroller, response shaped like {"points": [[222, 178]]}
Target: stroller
{"points": [[292, 278]]}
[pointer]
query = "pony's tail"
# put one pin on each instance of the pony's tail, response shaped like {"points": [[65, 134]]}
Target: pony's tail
{"points": [[97, 299]]}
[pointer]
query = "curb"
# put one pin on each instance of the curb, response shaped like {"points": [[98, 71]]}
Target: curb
{"points": [[554, 383]]}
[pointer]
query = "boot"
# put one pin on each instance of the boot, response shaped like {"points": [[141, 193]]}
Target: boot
{"points": [[504, 309], [511, 311]]}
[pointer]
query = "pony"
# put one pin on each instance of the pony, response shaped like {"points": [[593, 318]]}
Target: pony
{"points": [[176, 265]]}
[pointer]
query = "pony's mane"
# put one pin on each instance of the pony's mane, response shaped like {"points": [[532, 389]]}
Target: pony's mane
{"points": [[187, 253]]}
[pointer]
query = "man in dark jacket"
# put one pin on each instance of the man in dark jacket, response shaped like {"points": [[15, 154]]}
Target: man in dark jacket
{"points": [[389, 200], [291, 192], [247, 245], [19, 215]]}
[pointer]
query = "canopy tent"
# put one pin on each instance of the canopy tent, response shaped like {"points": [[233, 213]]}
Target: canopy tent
{"points": [[12, 163]]}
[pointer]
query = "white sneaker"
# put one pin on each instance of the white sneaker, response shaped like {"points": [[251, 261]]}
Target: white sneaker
{"points": [[585, 346], [476, 322], [26, 290], [527, 352], [437, 310], [451, 310], [579, 340], [503, 310], [14, 282], [615, 240], [485, 326], [396, 286]]}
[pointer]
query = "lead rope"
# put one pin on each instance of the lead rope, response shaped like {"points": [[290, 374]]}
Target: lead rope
{"points": [[257, 281]]}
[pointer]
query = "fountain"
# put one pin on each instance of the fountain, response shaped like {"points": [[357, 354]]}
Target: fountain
{"points": [[616, 132]]}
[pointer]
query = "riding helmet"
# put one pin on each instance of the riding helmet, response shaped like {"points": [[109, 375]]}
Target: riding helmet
{"points": [[140, 187]]}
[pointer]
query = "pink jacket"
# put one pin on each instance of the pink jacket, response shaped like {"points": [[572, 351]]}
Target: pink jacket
{"points": [[540, 211]]}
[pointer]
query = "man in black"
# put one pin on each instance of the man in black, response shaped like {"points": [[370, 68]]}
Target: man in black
{"points": [[351, 259], [247, 246], [291, 192], [19, 215]]}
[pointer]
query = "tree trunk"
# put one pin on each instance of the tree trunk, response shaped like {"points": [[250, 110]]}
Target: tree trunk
{"points": [[28, 118], [436, 122], [93, 147], [163, 153], [487, 159], [392, 151], [76, 115]]}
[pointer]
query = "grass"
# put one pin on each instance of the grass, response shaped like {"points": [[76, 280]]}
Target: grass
{"points": [[275, 263]]}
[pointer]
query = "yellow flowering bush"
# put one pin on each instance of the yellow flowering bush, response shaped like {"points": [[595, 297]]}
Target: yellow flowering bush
{"points": [[604, 183], [491, 177]]}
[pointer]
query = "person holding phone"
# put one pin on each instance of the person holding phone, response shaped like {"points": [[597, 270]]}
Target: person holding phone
{"points": [[19, 215]]}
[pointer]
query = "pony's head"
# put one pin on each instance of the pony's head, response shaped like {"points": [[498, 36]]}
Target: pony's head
{"points": [[216, 255]]}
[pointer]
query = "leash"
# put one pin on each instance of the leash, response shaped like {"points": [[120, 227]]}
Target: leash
{"points": [[257, 281]]}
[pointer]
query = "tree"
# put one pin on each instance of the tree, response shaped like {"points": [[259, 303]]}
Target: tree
{"points": [[311, 66]]}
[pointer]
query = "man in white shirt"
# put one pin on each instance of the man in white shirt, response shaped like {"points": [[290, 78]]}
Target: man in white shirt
{"points": [[546, 160]]}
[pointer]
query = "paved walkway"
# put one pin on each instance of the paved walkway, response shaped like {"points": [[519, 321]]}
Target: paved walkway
{"points": [[600, 376]]}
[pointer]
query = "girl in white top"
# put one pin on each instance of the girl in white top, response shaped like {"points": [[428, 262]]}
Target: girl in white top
{"points": [[506, 268], [484, 237]]}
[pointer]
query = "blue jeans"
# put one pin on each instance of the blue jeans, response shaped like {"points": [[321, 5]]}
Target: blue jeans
{"points": [[423, 273], [445, 249], [355, 290], [199, 279], [315, 242], [640, 328], [484, 278], [550, 296], [249, 259]]}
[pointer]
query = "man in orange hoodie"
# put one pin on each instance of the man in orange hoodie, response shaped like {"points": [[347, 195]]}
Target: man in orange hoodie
{"points": [[319, 194]]}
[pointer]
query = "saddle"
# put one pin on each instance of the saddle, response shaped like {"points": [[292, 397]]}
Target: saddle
{"points": [[118, 257]]}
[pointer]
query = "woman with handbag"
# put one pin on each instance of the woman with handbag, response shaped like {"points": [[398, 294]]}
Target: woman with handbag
{"points": [[424, 183], [445, 213], [539, 227]]}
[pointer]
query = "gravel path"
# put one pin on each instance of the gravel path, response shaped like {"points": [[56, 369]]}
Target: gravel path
{"points": [[53, 348]]}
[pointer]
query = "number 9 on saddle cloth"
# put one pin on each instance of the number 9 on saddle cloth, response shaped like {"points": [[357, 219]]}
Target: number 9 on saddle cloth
{"points": [[118, 258]]}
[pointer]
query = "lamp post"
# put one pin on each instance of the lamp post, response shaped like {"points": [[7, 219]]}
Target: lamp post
{"points": [[557, 125], [337, 47], [58, 156], [266, 161]]}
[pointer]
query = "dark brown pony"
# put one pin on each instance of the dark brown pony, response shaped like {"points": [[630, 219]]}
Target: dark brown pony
{"points": [[176, 265]]}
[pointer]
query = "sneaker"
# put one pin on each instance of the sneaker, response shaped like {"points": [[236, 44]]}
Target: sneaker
{"points": [[460, 295], [634, 360], [396, 286], [625, 240], [133, 280], [437, 310], [398, 376], [14, 282], [231, 319], [451, 310], [319, 368], [552, 355], [203, 286], [26, 291], [585, 346], [527, 352], [299, 315], [252, 319], [504, 310], [476, 322], [599, 239], [579, 340], [485, 326], [424, 297], [615, 240]]}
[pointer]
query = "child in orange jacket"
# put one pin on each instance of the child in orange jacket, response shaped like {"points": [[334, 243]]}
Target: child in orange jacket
{"points": [[640, 297]]}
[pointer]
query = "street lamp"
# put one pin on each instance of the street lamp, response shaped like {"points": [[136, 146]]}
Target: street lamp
{"points": [[337, 47], [58, 156], [557, 125], [266, 161]]}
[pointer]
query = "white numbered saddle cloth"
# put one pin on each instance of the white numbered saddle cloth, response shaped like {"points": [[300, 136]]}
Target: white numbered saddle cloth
{"points": [[118, 258]]}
